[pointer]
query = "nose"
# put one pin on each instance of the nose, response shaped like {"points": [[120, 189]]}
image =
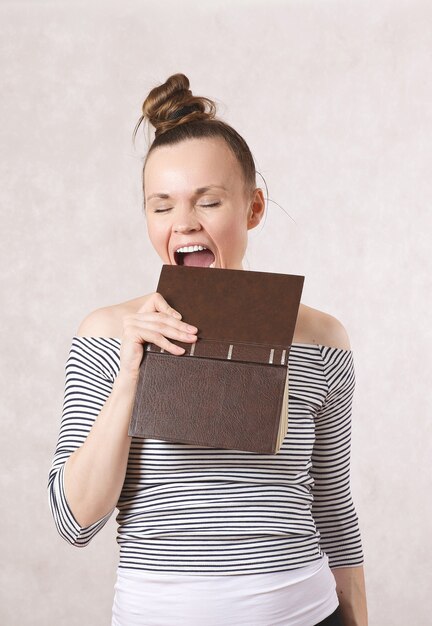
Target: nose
{"points": [[185, 222]]}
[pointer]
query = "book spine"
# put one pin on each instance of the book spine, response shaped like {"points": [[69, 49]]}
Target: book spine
{"points": [[241, 352]]}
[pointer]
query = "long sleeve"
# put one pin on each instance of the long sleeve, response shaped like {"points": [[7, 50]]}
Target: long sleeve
{"points": [[89, 378], [333, 508]]}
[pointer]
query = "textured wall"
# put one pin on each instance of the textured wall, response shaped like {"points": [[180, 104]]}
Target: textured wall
{"points": [[334, 100]]}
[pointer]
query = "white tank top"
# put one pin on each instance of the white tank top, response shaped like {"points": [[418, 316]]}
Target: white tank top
{"points": [[299, 597]]}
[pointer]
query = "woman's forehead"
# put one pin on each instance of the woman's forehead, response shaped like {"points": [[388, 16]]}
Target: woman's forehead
{"points": [[193, 163]]}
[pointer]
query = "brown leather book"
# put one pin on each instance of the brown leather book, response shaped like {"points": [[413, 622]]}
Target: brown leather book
{"points": [[230, 388]]}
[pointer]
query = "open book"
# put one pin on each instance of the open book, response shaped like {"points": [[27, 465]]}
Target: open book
{"points": [[230, 388]]}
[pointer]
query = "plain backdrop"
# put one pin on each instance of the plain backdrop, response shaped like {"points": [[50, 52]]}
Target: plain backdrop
{"points": [[334, 99]]}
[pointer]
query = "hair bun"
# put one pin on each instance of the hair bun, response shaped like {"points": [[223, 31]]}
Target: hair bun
{"points": [[184, 111], [173, 103]]}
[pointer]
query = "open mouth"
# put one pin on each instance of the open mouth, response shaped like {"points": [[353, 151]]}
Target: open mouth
{"points": [[199, 258]]}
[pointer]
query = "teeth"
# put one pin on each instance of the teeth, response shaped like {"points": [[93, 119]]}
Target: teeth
{"points": [[212, 264], [191, 248]]}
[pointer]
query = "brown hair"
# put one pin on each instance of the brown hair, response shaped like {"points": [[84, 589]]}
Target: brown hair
{"points": [[178, 115]]}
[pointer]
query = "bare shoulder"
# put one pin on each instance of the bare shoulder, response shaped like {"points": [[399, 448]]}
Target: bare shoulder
{"points": [[107, 321], [321, 328]]}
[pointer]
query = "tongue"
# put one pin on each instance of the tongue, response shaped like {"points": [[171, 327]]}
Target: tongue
{"points": [[201, 258]]}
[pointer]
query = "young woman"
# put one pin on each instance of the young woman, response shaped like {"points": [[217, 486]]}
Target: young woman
{"points": [[206, 535]]}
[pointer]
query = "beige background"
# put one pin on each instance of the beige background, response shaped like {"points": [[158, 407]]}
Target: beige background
{"points": [[334, 99]]}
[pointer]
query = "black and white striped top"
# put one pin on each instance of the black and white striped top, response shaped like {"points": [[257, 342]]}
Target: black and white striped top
{"points": [[192, 510]]}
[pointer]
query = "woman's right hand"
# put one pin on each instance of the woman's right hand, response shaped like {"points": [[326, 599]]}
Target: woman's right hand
{"points": [[154, 321]]}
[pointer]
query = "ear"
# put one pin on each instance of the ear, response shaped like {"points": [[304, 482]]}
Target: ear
{"points": [[256, 208]]}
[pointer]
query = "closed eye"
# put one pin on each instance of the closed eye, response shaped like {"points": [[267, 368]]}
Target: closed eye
{"points": [[201, 205]]}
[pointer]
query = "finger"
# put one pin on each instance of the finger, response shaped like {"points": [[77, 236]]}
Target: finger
{"points": [[167, 330], [156, 316], [157, 338], [158, 303]]}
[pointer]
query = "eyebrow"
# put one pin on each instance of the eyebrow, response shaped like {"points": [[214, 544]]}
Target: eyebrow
{"points": [[198, 192]]}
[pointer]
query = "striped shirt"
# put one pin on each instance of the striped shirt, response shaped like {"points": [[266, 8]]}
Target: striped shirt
{"points": [[185, 509]]}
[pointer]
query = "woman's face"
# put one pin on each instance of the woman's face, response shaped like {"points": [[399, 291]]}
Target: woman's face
{"points": [[195, 194]]}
